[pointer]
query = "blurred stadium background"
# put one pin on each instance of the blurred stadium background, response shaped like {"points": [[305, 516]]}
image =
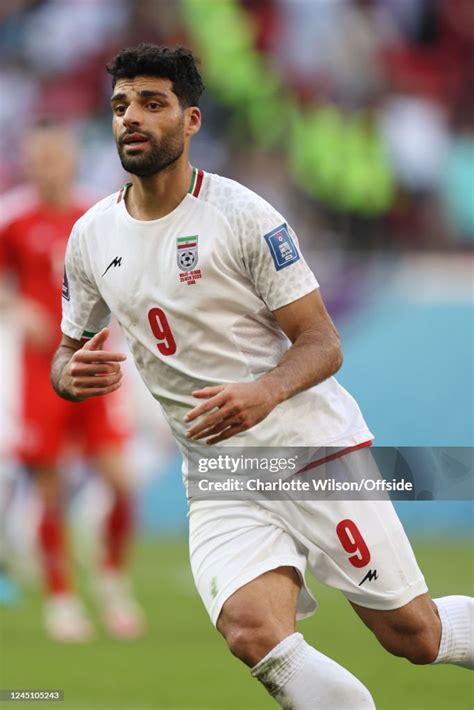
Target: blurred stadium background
{"points": [[356, 119]]}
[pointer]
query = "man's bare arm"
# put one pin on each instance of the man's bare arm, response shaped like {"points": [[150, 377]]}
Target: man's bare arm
{"points": [[80, 371], [314, 356], [316, 351]]}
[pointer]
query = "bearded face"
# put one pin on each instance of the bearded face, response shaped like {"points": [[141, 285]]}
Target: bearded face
{"points": [[144, 154], [149, 125]]}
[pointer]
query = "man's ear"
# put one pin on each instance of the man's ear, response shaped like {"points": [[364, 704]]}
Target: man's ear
{"points": [[193, 120]]}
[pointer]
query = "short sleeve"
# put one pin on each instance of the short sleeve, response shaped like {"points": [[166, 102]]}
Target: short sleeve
{"points": [[272, 257], [84, 310]]}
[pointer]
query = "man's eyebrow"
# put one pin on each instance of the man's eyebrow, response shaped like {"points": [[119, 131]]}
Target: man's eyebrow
{"points": [[144, 93], [152, 92]]}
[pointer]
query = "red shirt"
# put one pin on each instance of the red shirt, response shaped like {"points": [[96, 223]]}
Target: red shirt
{"points": [[33, 238]]}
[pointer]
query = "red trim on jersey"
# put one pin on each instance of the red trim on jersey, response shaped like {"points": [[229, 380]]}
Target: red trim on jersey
{"points": [[197, 187], [335, 455], [120, 194]]}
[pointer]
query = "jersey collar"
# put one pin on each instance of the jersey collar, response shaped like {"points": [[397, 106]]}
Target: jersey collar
{"points": [[123, 191], [196, 182], [194, 188]]}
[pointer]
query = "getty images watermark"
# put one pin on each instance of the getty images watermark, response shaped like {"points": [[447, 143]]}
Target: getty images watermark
{"points": [[298, 485], [331, 473]]}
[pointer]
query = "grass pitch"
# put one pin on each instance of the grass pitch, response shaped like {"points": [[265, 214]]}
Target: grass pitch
{"points": [[183, 664]]}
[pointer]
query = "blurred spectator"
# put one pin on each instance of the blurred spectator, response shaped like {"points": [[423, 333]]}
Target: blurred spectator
{"points": [[310, 50], [74, 30], [160, 23], [36, 222], [415, 132], [457, 185]]}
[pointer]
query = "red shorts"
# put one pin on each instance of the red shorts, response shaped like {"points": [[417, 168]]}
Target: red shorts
{"points": [[50, 425]]}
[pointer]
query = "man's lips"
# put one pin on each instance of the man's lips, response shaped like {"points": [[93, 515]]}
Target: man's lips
{"points": [[134, 139]]}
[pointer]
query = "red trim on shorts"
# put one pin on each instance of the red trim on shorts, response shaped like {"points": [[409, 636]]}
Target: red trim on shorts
{"points": [[197, 187], [335, 455]]}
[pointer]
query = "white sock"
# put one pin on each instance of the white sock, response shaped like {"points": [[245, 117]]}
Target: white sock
{"points": [[457, 630], [301, 678]]}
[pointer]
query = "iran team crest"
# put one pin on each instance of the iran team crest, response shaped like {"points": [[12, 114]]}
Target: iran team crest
{"points": [[187, 258], [187, 252]]}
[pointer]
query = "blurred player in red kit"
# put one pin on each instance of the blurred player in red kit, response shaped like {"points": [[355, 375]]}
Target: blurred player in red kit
{"points": [[34, 227]]}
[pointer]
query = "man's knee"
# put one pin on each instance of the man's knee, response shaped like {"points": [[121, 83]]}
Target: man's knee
{"points": [[249, 643], [415, 638], [260, 614], [425, 649], [419, 647], [251, 637]]}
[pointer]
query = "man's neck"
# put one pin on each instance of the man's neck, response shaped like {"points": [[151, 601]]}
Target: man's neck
{"points": [[156, 196]]}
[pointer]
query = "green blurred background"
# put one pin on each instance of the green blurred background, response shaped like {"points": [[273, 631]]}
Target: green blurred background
{"points": [[183, 664]]}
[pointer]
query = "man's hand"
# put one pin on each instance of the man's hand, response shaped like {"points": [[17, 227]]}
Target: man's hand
{"points": [[91, 371], [232, 409]]}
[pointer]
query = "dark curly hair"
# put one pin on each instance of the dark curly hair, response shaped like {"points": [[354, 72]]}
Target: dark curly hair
{"points": [[176, 64]]}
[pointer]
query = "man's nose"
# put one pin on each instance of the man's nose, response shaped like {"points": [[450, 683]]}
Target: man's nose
{"points": [[132, 116]]}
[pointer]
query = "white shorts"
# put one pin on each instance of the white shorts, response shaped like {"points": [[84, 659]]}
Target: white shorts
{"points": [[358, 547]]}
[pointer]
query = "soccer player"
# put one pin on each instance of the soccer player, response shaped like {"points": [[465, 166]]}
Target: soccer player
{"points": [[36, 222], [229, 331]]}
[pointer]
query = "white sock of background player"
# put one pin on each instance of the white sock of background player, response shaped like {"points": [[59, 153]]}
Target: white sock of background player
{"points": [[301, 678], [457, 630]]}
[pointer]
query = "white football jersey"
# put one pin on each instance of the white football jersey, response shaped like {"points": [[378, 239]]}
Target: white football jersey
{"points": [[194, 293]]}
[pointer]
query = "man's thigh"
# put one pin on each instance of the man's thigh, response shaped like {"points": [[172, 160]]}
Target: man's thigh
{"points": [[233, 543]]}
